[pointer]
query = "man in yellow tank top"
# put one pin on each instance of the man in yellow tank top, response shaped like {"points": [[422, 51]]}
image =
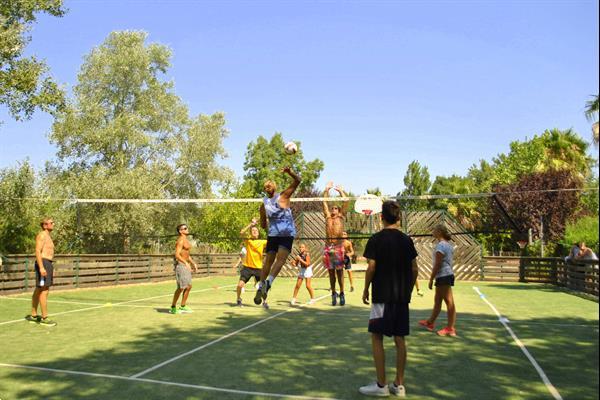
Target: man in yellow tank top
{"points": [[252, 262]]}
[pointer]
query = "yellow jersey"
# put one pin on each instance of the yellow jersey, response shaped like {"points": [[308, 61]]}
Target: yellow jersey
{"points": [[255, 249]]}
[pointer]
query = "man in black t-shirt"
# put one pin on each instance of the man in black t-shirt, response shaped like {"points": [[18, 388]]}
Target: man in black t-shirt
{"points": [[392, 270]]}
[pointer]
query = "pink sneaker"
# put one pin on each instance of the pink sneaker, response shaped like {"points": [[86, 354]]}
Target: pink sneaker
{"points": [[447, 332], [425, 324]]}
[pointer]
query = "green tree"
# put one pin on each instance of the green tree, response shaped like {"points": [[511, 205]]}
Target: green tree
{"points": [[591, 113], [582, 230], [17, 215], [126, 134], [467, 211], [416, 183], [552, 150], [265, 159], [376, 191], [24, 82], [482, 176]]}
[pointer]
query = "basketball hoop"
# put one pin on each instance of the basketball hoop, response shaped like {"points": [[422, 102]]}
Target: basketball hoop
{"points": [[368, 204], [522, 244]]}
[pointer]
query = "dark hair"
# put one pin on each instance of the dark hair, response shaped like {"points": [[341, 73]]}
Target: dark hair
{"points": [[390, 211], [179, 227], [44, 221]]}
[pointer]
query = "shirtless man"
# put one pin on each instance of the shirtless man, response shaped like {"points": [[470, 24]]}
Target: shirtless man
{"points": [[183, 271], [333, 256], [44, 274]]}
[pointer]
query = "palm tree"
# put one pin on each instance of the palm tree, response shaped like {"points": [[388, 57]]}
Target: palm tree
{"points": [[565, 150], [591, 113]]}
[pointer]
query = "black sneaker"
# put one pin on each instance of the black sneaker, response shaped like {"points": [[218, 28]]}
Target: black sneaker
{"points": [[33, 319], [342, 299], [334, 297], [239, 302], [258, 297]]}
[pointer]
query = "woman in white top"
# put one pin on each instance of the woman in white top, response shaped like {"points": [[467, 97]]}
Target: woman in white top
{"points": [[444, 280]]}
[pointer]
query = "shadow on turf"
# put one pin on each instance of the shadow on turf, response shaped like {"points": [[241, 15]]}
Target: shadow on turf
{"points": [[322, 352]]}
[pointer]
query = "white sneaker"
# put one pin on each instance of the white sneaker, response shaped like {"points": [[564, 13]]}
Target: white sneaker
{"points": [[374, 390], [397, 391], [293, 302], [265, 305], [311, 302]]}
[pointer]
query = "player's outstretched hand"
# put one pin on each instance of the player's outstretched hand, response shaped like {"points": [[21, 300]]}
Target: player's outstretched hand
{"points": [[287, 170], [329, 185], [365, 296]]}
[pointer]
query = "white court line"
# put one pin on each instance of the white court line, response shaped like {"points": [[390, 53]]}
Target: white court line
{"points": [[184, 385], [106, 305], [187, 353], [54, 301], [537, 367]]}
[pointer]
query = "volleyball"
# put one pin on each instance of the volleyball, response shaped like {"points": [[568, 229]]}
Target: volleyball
{"points": [[290, 148]]}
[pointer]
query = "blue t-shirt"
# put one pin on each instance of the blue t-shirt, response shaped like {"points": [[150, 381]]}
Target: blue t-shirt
{"points": [[447, 251], [281, 222]]}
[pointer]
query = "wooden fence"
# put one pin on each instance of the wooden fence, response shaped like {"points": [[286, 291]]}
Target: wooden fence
{"points": [[500, 269], [467, 251], [91, 270], [581, 276]]}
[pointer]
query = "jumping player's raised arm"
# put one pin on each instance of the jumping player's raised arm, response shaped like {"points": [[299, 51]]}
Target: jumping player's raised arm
{"points": [[263, 217], [284, 198], [345, 204], [326, 194], [245, 229]]}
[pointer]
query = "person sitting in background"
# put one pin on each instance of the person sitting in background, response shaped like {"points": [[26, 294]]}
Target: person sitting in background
{"points": [[573, 253], [585, 253]]}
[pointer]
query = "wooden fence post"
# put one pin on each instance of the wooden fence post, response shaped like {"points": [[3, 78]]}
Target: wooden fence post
{"points": [[149, 268], [117, 272], [26, 275], [77, 271], [522, 268], [481, 266], [208, 264]]}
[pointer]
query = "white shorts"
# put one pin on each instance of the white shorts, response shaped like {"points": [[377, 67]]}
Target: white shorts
{"points": [[305, 273]]}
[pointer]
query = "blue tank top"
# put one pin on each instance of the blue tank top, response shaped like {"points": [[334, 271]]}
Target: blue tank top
{"points": [[281, 222]]}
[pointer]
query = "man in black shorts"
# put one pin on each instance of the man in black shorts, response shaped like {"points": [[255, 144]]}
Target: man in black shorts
{"points": [[392, 269], [44, 274]]}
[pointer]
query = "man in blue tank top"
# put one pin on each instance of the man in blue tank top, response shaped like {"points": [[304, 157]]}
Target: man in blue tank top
{"points": [[276, 217]]}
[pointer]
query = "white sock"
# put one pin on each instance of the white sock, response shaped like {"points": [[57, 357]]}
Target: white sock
{"points": [[271, 278]]}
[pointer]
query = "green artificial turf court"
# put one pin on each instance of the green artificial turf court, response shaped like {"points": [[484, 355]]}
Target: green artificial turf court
{"points": [[120, 343]]}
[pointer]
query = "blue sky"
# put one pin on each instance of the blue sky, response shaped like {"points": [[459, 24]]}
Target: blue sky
{"points": [[366, 86]]}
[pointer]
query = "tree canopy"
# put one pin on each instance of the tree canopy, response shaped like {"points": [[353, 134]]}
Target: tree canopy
{"points": [[265, 159], [24, 81]]}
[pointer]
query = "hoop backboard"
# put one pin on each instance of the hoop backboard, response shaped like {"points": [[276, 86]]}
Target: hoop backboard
{"points": [[368, 204]]}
